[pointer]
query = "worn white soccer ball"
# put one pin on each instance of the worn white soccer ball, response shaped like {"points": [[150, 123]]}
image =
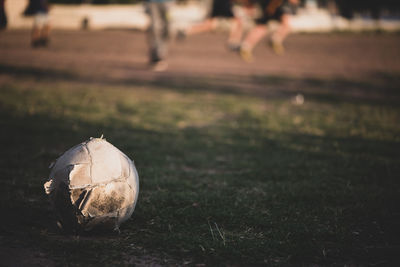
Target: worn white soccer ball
{"points": [[93, 184]]}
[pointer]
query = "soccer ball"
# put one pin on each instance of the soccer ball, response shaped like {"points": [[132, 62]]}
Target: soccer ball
{"points": [[92, 185]]}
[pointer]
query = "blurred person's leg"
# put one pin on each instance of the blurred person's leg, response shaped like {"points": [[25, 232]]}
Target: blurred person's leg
{"points": [[283, 15], [163, 47], [219, 9], [35, 34], [152, 37], [280, 35], [40, 30], [3, 15], [205, 26], [45, 30], [235, 34], [257, 33], [158, 35], [251, 40]]}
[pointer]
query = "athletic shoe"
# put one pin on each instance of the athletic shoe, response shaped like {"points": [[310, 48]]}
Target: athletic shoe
{"points": [[181, 35], [160, 66], [233, 47], [277, 47], [44, 41], [246, 55]]}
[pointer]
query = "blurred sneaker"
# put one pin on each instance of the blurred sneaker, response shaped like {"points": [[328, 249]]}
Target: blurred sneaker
{"points": [[246, 55], [35, 43], [44, 41], [277, 47], [40, 42], [181, 35], [235, 47], [160, 66]]}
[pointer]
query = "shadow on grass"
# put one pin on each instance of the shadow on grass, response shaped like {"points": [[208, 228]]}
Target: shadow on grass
{"points": [[377, 89], [37, 73]]}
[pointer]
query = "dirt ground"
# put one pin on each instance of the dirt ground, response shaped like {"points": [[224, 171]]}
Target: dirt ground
{"points": [[120, 56]]}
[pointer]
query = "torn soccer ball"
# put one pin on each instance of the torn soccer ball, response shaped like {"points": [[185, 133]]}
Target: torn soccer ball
{"points": [[93, 184]]}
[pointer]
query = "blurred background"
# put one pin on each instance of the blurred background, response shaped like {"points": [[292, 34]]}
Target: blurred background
{"points": [[313, 15]]}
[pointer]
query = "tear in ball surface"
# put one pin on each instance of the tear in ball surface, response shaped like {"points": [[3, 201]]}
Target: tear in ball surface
{"points": [[93, 184]]}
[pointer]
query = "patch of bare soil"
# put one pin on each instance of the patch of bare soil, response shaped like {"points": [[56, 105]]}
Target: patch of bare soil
{"points": [[122, 55]]}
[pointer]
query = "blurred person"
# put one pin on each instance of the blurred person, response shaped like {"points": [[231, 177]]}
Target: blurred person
{"points": [[279, 10], [158, 33], [3, 16], [220, 9], [39, 9]]}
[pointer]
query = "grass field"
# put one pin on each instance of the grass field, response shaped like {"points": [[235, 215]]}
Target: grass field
{"points": [[227, 176]]}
